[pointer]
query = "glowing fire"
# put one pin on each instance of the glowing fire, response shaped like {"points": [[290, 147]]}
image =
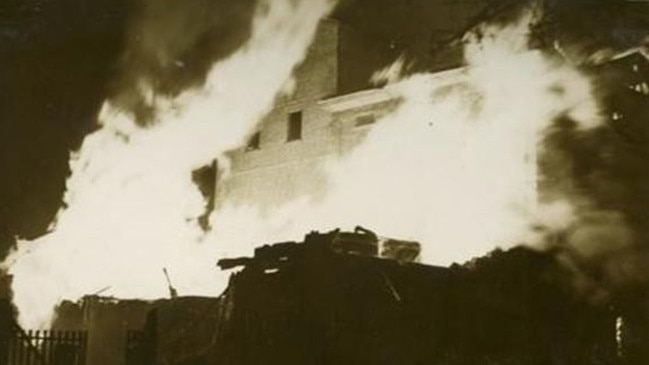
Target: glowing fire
{"points": [[453, 170], [131, 204], [453, 167]]}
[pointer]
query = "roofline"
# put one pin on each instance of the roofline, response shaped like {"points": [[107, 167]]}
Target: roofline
{"points": [[387, 93]]}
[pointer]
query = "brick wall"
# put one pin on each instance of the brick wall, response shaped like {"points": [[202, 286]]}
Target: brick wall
{"points": [[280, 170]]}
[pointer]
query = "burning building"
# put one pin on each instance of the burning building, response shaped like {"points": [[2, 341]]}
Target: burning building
{"points": [[463, 181], [309, 303], [546, 328], [334, 299], [335, 97]]}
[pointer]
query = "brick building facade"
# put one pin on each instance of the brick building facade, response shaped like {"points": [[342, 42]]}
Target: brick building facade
{"points": [[331, 108]]}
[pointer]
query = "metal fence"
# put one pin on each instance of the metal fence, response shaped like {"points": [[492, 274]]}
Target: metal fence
{"points": [[140, 348], [45, 348]]}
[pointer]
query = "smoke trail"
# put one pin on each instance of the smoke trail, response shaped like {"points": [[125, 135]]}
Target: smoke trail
{"points": [[131, 207]]}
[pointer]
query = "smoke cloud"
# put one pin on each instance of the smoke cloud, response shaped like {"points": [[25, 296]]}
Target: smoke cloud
{"points": [[605, 178], [170, 46]]}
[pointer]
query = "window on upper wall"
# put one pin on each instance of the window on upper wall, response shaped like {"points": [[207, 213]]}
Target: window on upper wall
{"points": [[363, 120], [294, 131], [254, 143]]}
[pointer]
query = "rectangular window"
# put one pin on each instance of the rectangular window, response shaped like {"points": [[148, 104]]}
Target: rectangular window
{"points": [[363, 120], [254, 142], [294, 126]]}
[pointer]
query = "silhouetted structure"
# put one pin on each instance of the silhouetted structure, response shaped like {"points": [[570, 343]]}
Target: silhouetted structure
{"points": [[20, 347], [305, 303]]}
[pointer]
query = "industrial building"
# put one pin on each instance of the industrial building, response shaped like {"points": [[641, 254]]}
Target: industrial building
{"points": [[320, 302], [333, 102]]}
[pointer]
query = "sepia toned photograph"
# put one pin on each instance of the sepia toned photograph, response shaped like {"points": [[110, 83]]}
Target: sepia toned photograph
{"points": [[324, 182]]}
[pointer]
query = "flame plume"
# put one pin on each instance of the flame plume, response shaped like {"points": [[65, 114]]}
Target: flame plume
{"points": [[131, 206], [453, 167]]}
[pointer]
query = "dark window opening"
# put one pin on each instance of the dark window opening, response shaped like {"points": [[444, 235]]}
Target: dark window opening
{"points": [[254, 142], [364, 120], [294, 126], [206, 179]]}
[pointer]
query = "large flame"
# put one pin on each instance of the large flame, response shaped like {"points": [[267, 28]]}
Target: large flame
{"points": [[453, 168], [131, 206], [455, 165]]}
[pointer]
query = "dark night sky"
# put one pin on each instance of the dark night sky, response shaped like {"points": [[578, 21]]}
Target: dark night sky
{"points": [[55, 60], [59, 59]]}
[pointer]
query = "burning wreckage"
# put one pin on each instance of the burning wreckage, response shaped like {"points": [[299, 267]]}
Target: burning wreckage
{"points": [[355, 298], [347, 298], [352, 297]]}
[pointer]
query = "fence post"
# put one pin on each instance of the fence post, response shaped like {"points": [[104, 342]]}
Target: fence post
{"points": [[47, 347], [5, 331]]}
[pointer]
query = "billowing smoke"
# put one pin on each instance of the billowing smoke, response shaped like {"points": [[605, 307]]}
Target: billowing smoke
{"points": [[602, 172], [171, 46], [131, 207]]}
